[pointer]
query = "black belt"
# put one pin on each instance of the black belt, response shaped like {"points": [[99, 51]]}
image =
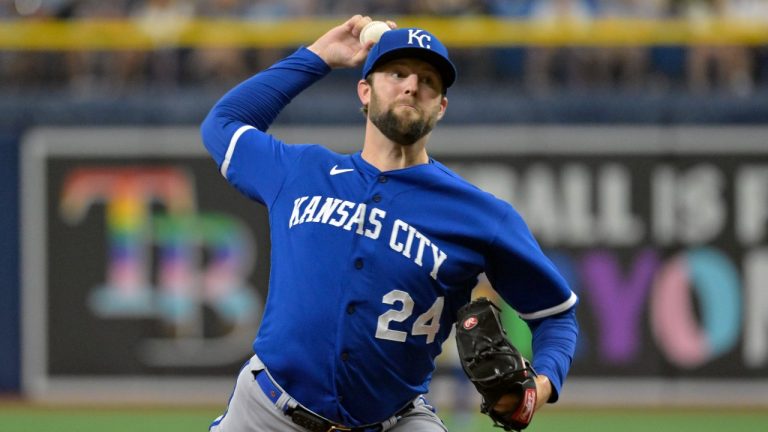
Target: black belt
{"points": [[311, 421]]}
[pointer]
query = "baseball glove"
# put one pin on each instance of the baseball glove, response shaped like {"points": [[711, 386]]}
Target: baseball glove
{"points": [[494, 365]]}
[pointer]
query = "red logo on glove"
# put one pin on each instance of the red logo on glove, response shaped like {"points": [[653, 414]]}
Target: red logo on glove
{"points": [[470, 323], [524, 413]]}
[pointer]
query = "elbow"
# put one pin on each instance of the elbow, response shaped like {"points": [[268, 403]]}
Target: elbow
{"points": [[212, 132], [207, 128]]}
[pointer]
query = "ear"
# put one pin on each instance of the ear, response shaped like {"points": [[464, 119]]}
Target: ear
{"points": [[443, 107], [364, 91]]}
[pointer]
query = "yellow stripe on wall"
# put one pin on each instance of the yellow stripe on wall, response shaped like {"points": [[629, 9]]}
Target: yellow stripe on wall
{"points": [[454, 32]]}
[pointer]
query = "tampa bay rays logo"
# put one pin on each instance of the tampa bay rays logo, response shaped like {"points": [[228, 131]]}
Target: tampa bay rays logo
{"points": [[176, 263], [418, 36]]}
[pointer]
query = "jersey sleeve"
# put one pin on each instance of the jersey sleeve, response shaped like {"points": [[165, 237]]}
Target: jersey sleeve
{"points": [[526, 279], [521, 273], [234, 132], [257, 164], [554, 343]]}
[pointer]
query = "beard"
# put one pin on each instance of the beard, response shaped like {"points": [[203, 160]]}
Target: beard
{"points": [[403, 130]]}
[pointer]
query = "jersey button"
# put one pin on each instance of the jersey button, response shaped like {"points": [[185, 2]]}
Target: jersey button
{"points": [[358, 263], [351, 309], [377, 198], [345, 356], [383, 179]]}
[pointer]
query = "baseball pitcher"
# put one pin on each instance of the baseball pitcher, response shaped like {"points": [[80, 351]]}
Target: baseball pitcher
{"points": [[375, 254]]}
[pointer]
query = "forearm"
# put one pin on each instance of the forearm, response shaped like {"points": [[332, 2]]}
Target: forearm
{"points": [[554, 344], [258, 100]]}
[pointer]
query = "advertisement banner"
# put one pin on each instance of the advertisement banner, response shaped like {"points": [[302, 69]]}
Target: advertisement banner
{"points": [[668, 255], [144, 269]]}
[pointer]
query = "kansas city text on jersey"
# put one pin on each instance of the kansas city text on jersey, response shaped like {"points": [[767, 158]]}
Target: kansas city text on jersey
{"points": [[403, 237]]}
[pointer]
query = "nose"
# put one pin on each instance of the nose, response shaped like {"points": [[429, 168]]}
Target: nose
{"points": [[411, 84]]}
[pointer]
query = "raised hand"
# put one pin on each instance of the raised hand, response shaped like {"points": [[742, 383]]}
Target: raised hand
{"points": [[341, 47]]}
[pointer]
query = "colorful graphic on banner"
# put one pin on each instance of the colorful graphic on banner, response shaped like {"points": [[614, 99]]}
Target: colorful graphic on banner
{"points": [[669, 260], [168, 260]]}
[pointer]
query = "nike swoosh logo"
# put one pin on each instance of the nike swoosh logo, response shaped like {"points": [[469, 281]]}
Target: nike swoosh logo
{"points": [[336, 170]]}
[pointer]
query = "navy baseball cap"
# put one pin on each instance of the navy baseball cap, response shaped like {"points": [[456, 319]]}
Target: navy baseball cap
{"points": [[411, 42]]}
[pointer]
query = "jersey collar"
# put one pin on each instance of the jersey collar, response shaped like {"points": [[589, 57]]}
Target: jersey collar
{"points": [[369, 169]]}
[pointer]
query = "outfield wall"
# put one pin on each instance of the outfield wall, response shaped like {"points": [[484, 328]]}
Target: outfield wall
{"points": [[144, 273]]}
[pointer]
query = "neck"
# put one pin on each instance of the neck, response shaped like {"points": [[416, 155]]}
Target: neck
{"points": [[387, 155]]}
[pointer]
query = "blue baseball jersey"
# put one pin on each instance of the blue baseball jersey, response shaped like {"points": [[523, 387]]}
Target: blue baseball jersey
{"points": [[369, 268]]}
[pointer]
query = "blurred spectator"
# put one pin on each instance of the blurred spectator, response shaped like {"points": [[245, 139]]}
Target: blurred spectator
{"points": [[448, 7], [753, 10], [509, 8], [30, 69], [507, 62], [340, 7], [269, 10], [545, 63], [717, 66], [540, 69], [6, 57], [93, 71], [222, 66], [472, 62], [266, 10], [377, 9], [625, 66], [163, 21], [385, 9]]}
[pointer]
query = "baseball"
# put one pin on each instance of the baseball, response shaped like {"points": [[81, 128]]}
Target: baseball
{"points": [[373, 31]]}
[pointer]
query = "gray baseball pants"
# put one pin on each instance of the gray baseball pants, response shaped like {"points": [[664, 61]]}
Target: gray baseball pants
{"points": [[250, 410]]}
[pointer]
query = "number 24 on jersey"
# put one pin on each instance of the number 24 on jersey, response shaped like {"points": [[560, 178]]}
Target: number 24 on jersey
{"points": [[426, 324]]}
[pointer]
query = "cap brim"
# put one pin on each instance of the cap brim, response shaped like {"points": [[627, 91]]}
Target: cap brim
{"points": [[444, 67]]}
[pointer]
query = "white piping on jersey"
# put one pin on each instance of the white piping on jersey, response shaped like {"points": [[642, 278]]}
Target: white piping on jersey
{"points": [[231, 148], [562, 307]]}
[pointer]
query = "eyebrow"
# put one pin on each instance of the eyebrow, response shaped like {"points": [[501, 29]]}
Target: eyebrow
{"points": [[419, 65]]}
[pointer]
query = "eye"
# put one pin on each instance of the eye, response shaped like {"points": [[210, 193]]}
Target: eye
{"points": [[429, 80], [398, 74]]}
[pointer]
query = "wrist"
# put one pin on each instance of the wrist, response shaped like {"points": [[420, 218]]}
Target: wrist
{"points": [[543, 390], [317, 51]]}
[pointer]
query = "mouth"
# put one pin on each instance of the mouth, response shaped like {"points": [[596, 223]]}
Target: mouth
{"points": [[407, 106]]}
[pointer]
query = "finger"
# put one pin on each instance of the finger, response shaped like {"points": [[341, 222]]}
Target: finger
{"points": [[360, 56], [506, 403], [391, 24], [350, 23], [362, 22]]}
